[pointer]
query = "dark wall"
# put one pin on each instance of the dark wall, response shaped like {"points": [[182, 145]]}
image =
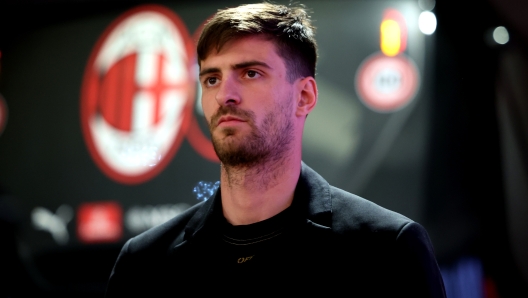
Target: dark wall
{"points": [[466, 180]]}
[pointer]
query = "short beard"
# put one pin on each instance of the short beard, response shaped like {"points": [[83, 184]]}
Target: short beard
{"points": [[266, 145]]}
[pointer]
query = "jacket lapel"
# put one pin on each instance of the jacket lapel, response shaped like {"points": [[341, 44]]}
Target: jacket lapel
{"points": [[314, 191], [188, 244]]}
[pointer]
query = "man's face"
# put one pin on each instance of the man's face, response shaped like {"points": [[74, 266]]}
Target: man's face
{"points": [[247, 101]]}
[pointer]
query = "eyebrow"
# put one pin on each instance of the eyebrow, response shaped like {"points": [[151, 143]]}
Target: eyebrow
{"points": [[236, 66]]}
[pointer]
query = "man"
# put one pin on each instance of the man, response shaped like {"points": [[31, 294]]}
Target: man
{"points": [[274, 226]]}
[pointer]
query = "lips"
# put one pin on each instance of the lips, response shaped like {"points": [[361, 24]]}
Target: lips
{"points": [[229, 118], [230, 114]]}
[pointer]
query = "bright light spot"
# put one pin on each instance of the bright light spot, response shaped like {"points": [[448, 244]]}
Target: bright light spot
{"points": [[427, 22], [390, 37], [500, 35]]}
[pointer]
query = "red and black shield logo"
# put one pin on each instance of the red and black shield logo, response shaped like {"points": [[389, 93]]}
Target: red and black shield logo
{"points": [[138, 93]]}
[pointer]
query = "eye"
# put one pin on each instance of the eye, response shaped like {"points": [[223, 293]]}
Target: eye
{"points": [[211, 81], [252, 74]]}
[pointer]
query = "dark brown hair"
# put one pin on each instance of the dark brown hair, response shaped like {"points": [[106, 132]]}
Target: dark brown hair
{"points": [[289, 27]]}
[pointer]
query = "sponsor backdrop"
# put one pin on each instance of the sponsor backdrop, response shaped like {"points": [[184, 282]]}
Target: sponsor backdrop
{"points": [[104, 113], [104, 136]]}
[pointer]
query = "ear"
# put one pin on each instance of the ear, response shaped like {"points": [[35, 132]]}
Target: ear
{"points": [[307, 98]]}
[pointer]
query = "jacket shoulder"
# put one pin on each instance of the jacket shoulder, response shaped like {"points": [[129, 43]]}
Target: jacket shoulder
{"points": [[353, 213], [384, 239], [142, 262]]}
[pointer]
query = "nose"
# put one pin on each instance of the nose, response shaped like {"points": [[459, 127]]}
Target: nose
{"points": [[228, 92]]}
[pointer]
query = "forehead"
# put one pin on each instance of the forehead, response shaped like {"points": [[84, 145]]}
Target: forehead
{"points": [[255, 47]]}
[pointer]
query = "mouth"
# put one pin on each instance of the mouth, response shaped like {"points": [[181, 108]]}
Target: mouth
{"points": [[229, 120]]}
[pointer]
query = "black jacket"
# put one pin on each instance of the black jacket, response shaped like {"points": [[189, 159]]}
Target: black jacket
{"points": [[344, 245]]}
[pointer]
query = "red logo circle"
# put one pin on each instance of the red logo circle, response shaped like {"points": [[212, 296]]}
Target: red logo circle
{"points": [[137, 93], [387, 84]]}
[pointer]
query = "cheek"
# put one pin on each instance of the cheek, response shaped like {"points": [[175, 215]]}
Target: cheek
{"points": [[208, 106], [284, 101]]}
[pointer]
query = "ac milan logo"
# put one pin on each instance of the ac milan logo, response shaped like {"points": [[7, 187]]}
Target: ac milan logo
{"points": [[137, 94]]}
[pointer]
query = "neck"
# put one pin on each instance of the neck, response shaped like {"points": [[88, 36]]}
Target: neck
{"points": [[252, 194]]}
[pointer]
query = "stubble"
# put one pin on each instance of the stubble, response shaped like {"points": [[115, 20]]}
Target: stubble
{"points": [[264, 147]]}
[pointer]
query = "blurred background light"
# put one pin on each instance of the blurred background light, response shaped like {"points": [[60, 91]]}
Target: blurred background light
{"points": [[426, 4], [390, 37], [427, 22], [500, 35]]}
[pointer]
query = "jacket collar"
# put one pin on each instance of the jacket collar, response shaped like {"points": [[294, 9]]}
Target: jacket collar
{"points": [[311, 193]]}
